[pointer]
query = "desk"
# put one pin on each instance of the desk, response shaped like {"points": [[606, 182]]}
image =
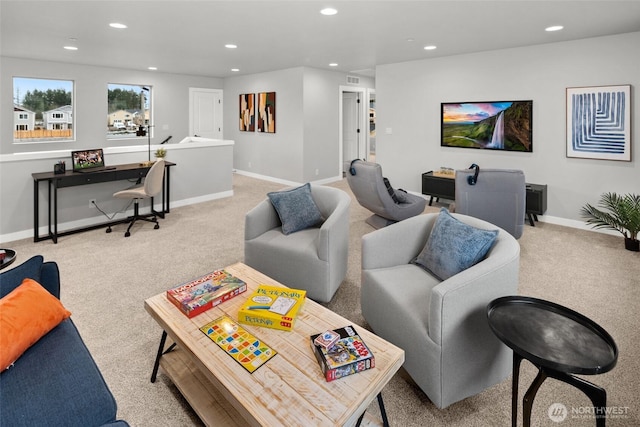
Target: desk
{"points": [[72, 179], [559, 342], [435, 186]]}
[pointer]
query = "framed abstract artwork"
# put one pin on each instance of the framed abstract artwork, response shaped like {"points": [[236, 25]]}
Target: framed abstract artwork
{"points": [[247, 112], [267, 112], [599, 122]]}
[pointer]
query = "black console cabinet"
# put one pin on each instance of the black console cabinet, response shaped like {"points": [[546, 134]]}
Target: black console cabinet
{"points": [[435, 186], [536, 201]]}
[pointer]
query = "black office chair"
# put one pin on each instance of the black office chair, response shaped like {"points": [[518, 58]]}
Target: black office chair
{"points": [[151, 187]]}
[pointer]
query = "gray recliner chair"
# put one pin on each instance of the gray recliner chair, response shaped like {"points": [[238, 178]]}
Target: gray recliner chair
{"points": [[450, 351], [496, 195], [313, 259], [388, 205]]}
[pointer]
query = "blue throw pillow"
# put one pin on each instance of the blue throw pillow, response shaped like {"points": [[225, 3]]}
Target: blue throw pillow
{"points": [[296, 208], [454, 246]]}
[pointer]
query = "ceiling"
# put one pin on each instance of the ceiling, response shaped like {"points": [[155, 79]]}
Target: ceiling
{"points": [[188, 36]]}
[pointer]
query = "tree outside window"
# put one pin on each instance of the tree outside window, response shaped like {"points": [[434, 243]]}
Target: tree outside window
{"points": [[42, 110], [128, 111]]}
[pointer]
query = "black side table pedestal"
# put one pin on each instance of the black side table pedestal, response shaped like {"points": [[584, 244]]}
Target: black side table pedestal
{"points": [[596, 394], [559, 342]]}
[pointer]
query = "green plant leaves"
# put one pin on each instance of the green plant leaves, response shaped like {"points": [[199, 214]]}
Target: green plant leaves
{"points": [[622, 213]]}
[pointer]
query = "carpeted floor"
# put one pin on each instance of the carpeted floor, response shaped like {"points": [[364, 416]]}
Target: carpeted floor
{"points": [[106, 278]]}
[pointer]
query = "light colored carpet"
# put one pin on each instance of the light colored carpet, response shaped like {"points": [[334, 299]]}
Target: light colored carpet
{"points": [[106, 278]]}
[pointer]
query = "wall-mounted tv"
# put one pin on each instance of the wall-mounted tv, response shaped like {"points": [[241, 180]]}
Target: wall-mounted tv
{"points": [[494, 125]]}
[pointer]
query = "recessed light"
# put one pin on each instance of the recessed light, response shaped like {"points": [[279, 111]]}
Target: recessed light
{"points": [[333, 64], [411, 40], [328, 11], [554, 28], [230, 46], [235, 70], [71, 47], [117, 25], [153, 68], [430, 47]]}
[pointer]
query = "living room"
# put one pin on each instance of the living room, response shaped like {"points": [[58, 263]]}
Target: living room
{"points": [[409, 95]]}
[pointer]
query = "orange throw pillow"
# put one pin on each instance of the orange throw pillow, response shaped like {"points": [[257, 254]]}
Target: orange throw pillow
{"points": [[27, 314]]}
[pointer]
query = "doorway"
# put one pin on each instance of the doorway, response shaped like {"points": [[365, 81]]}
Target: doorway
{"points": [[353, 128], [205, 113]]}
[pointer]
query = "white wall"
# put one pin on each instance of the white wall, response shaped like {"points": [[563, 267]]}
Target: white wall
{"points": [[307, 124], [170, 101], [277, 154], [171, 116], [409, 96]]}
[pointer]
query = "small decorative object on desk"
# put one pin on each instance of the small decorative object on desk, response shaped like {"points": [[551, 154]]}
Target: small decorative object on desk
{"points": [[244, 348], [203, 293], [3, 254], [60, 167], [348, 355], [160, 153], [273, 307], [445, 173]]}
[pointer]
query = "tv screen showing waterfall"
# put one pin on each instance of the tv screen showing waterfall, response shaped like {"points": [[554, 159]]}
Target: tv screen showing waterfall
{"points": [[494, 125]]}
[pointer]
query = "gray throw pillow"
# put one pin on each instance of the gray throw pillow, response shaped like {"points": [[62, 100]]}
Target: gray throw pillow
{"points": [[296, 208], [401, 195], [454, 246]]}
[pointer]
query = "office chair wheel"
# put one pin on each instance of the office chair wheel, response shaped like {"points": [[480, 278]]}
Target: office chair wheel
{"points": [[108, 230], [127, 234], [156, 226]]}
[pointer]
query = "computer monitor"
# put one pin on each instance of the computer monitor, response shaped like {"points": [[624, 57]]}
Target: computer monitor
{"points": [[87, 159]]}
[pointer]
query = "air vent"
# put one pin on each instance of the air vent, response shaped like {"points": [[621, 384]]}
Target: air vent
{"points": [[353, 80]]}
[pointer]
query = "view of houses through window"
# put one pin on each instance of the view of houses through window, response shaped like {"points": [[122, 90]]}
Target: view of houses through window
{"points": [[42, 110], [129, 110]]}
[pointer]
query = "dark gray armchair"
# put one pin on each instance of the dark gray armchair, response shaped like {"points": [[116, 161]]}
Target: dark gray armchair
{"points": [[368, 185], [498, 196]]}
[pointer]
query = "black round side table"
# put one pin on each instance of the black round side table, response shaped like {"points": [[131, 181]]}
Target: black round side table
{"points": [[559, 342], [9, 257]]}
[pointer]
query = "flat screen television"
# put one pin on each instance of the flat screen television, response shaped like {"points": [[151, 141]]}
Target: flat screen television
{"points": [[493, 125]]}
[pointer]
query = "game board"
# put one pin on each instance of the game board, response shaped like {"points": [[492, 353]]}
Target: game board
{"points": [[244, 348]]}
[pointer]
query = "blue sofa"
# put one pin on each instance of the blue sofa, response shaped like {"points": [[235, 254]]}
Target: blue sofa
{"points": [[56, 381]]}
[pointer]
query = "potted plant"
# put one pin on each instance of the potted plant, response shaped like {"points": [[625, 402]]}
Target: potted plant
{"points": [[160, 153], [622, 213]]}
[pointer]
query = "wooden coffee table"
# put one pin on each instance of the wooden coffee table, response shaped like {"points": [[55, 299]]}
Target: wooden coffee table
{"points": [[289, 389]]}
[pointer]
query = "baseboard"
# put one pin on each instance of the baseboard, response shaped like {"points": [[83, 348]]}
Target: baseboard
{"points": [[572, 223], [286, 182], [96, 220]]}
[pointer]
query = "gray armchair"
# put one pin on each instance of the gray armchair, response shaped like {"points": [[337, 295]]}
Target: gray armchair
{"points": [[498, 196], [450, 351], [368, 186], [314, 259]]}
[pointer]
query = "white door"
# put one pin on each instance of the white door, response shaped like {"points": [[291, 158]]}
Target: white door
{"points": [[205, 113], [351, 135]]}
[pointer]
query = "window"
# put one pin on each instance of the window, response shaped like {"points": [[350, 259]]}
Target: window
{"points": [[128, 111], [42, 110]]}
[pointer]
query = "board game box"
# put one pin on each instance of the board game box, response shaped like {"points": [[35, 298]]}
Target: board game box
{"points": [[203, 293], [244, 348], [347, 356], [273, 307]]}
